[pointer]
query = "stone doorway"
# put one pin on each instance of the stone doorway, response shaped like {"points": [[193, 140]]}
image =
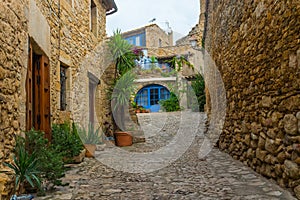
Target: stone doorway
{"points": [[38, 91]]}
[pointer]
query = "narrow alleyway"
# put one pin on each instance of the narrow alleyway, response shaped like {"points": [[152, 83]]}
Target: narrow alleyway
{"points": [[217, 176]]}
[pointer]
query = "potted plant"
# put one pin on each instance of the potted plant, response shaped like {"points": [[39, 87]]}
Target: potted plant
{"points": [[124, 58], [89, 139], [25, 168], [120, 98]]}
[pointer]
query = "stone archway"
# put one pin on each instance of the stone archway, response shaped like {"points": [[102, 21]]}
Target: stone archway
{"points": [[149, 96]]}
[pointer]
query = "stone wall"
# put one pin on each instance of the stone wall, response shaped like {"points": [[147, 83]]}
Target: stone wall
{"points": [[71, 48], [154, 33], [13, 44], [256, 46], [61, 32]]}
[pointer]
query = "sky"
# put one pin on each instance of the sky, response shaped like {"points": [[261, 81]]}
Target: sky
{"points": [[182, 15]]}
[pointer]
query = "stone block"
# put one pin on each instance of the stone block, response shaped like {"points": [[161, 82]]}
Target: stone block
{"points": [[278, 170], [291, 169], [266, 101], [261, 143], [297, 191], [298, 118], [293, 61], [271, 146], [261, 154], [290, 124]]}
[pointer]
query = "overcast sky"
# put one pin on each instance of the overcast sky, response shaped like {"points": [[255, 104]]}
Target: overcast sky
{"points": [[181, 15]]}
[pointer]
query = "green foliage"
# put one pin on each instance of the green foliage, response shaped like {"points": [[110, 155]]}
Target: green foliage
{"points": [[50, 159], [134, 104], [123, 90], [91, 136], [66, 140], [25, 167], [121, 52], [121, 95], [198, 86], [171, 104], [179, 62]]}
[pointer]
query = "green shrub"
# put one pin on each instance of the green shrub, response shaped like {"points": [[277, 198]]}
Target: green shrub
{"points": [[51, 163], [66, 140], [198, 86], [171, 104], [25, 166]]}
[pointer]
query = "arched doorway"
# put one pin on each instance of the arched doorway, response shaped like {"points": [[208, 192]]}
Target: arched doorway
{"points": [[150, 95]]}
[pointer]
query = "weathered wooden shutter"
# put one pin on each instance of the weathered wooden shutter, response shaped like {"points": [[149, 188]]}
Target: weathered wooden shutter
{"points": [[45, 96], [29, 88]]}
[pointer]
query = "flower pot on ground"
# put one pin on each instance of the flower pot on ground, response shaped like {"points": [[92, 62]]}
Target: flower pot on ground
{"points": [[90, 150], [90, 139], [123, 138], [124, 57]]}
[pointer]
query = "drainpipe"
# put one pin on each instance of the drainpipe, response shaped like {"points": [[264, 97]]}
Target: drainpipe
{"points": [[111, 6]]}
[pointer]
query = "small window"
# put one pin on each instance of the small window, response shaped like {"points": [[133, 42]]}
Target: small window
{"points": [[138, 41], [130, 41], [63, 87], [93, 18], [159, 42]]}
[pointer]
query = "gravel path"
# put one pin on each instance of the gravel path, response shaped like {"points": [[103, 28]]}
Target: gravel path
{"points": [[217, 176]]}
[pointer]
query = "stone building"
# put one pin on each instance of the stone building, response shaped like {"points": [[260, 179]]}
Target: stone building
{"points": [[155, 84], [44, 45], [149, 36], [256, 47]]}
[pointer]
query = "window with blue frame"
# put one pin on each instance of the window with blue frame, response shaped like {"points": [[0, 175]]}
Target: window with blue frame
{"points": [[149, 96], [137, 40]]}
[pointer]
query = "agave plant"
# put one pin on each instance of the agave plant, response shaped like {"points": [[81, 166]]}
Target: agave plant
{"points": [[92, 136], [25, 167]]}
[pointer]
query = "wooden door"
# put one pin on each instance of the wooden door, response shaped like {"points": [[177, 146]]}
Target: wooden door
{"points": [[38, 94]]}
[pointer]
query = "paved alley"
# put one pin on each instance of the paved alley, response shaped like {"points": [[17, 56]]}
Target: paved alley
{"points": [[217, 176]]}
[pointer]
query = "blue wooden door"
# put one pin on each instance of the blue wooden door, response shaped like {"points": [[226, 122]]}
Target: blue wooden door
{"points": [[149, 97]]}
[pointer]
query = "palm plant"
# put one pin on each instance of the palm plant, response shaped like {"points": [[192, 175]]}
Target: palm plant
{"points": [[122, 53], [121, 96], [124, 56]]}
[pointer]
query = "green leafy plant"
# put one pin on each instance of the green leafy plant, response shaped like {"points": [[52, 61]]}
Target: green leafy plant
{"points": [[171, 104], [122, 53], [198, 86], [25, 167], [66, 140], [51, 161], [179, 61], [91, 136], [121, 95]]}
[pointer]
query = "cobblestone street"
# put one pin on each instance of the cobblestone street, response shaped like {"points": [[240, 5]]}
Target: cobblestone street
{"points": [[217, 176]]}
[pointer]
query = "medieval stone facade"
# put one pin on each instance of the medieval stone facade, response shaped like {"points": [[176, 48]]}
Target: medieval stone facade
{"points": [[61, 37], [256, 47], [149, 36]]}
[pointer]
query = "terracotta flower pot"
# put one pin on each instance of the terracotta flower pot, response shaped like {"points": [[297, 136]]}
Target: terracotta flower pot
{"points": [[123, 139], [90, 150]]}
